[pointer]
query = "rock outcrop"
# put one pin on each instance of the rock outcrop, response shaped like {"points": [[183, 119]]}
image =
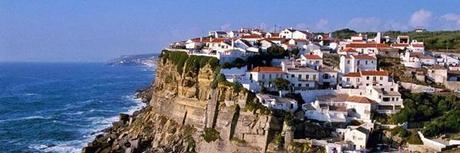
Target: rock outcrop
{"points": [[185, 99]]}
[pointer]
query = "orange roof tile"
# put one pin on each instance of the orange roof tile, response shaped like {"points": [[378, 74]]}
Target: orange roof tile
{"points": [[367, 45], [312, 56], [353, 74], [358, 99], [348, 49], [378, 73], [269, 69]]}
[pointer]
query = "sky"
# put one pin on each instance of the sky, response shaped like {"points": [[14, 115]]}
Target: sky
{"points": [[96, 31]]}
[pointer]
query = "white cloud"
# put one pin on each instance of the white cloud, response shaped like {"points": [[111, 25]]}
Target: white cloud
{"points": [[322, 24], [452, 20], [364, 23], [420, 18]]}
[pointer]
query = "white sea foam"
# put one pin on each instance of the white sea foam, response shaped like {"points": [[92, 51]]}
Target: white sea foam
{"points": [[68, 147], [24, 118]]}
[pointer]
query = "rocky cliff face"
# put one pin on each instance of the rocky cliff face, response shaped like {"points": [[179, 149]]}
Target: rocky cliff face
{"points": [[183, 106]]}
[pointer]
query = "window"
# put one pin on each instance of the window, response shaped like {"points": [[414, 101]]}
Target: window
{"points": [[263, 76], [366, 62], [307, 77], [292, 76], [314, 76], [348, 61], [367, 77], [374, 78], [299, 76], [381, 78], [300, 85], [348, 79]]}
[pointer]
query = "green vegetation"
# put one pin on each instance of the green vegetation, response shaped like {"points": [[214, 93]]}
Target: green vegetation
{"points": [[238, 62], [414, 139], [397, 71], [331, 60], [210, 135], [191, 144], [288, 118], [306, 147], [344, 33], [238, 141], [399, 131], [253, 104], [437, 40], [281, 84], [188, 63], [277, 52], [437, 114], [279, 139]]}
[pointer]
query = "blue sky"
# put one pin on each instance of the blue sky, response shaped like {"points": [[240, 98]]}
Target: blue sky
{"points": [[95, 31]]}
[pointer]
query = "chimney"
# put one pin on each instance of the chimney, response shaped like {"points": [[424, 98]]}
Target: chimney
{"points": [[201, 39]]}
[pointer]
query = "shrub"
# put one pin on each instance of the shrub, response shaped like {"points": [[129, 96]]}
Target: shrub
{"points": [[210, 134], [414, 139]]}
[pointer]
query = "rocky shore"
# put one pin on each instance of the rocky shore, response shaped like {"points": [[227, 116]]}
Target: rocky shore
{"points": [[113, 139], [190, 109]]}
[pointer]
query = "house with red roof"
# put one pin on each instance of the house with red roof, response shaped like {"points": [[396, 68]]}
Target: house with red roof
{"points": [[312, 60]]}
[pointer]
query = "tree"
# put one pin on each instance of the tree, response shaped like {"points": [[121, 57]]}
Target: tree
{"points": [[281, 84], [277, 52]]}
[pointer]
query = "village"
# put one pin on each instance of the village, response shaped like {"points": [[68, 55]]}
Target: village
{"points": [[339, 81]]}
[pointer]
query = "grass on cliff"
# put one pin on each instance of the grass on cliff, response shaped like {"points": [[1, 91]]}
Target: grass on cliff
{"points": [[186, 63], [210, 134]]}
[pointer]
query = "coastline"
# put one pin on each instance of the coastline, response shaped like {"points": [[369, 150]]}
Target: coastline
{"points": [[105, 136]]}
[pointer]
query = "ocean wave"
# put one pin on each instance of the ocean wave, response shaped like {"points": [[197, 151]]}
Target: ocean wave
{"points": [[69, 147], [24, 118]]}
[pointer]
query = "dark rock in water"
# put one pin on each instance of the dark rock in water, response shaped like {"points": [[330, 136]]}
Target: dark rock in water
{"points": [[88, 149], [124, 118]]}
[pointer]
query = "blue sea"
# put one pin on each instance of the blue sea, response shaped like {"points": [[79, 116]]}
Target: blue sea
{"points": [[60, 107]]}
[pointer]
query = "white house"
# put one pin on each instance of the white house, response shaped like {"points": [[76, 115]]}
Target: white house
{"points": [[265, 75], [311, 60], [437, 73], [363, 79], [358, 62], [275, 102], [218, 34], [388, 101], [358, 136], [367, 48], [339, 108], [265, 44], [291, 33]]}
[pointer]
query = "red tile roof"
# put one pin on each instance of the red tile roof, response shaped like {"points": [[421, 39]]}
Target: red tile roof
{"points": [[267, 69], [358, 99], [377, 73], [353, 74], [312, 56], [399, 45], [348, 49], [367, 45], [364, 56], [275, 39]]}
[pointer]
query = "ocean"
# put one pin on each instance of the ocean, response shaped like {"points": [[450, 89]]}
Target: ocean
{"points": [[60, 107]]}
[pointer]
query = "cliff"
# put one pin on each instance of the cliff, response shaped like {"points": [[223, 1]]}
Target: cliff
{"points": [[191, 109]]}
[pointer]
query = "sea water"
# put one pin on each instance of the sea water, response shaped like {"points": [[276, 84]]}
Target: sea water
{"points": [[60, 107]]}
